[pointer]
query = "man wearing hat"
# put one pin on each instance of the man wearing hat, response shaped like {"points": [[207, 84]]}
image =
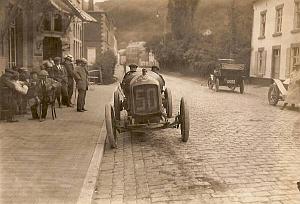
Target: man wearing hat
{"points": [[293, 94], [68, 64], [44, 92], [9, 94], [81, 78], [60, 75]]}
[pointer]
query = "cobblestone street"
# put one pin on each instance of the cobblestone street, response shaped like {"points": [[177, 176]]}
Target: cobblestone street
{"points": [[240, 150]]}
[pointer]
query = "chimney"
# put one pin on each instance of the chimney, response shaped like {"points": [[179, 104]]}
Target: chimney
{"points": [[91, 5]]}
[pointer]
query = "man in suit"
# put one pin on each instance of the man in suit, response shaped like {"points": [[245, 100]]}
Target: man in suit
{"points": [[81, 78], [68, 64], [60, 75]]}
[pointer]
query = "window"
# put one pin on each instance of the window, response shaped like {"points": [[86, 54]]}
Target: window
{"points": [[278, 20], [261, 56], [263, 16], [12, 45], [295, 55], [297, 14], [260, 60], [57, 22], [47, 22]]}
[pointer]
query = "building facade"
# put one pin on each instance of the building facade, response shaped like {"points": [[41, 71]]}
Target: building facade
{"points": [[35, 30], [275, 38], [99, 37]]}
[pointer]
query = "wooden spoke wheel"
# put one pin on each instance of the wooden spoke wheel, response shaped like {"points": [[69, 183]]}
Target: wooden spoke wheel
{"points": [[110, 126], [184, 120], [217, 84], [117, 105], [168, 105], [273, 95]]}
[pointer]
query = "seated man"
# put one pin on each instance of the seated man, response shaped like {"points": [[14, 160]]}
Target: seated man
{"points": [[161, 80], [127, 78], [44, 94]]}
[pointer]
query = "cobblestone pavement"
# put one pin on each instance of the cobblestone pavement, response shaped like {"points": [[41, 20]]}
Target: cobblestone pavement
{"points": [[47, 162], [240, 150]]}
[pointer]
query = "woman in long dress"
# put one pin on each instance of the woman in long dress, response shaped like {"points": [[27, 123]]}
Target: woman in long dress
{"points": [[293, 94]]}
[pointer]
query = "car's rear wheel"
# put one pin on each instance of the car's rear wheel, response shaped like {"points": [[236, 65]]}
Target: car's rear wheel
{"points": [[110, 126], [242, 87], [273, 95], [217, 84], [184, 120], [169, 107], [117, 105]]}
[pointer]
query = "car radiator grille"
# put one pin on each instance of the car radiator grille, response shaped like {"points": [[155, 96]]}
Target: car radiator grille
{"points": [[146, 99]]}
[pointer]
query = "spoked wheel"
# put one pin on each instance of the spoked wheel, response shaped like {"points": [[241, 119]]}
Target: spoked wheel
{"points": [[210, 83], [273, 95], [184, 120], [168, 105], [242, 87], [117, 105], [217, 84], [110, 126]]}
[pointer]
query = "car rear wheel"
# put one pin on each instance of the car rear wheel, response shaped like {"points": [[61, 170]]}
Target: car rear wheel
{"points": [[184, 120], [242, 87], [273, 95], [217, 84], [169, 108], [110, 126], [117, 105]]}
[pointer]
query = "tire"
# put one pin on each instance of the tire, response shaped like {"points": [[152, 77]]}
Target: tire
{"points": [[242, 87], [117, 106], [217, 84], [110, 126], [184, 120], [210, 83], [273, 95], [169, 106]]}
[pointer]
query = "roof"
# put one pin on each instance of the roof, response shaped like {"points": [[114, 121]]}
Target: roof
{"points": [[67, 6]]}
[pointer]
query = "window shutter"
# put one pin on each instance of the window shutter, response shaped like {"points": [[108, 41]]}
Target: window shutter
{"points": [[264, 63], [255, 70], [288, 63]]}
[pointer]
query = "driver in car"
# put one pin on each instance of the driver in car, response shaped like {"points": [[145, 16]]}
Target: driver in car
{"points": [[127, 78]]}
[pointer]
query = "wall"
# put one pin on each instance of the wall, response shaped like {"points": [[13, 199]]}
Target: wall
{"points": [[284, 40]]}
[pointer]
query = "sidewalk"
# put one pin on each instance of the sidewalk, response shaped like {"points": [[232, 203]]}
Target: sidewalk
{"points": [[47, 162]]}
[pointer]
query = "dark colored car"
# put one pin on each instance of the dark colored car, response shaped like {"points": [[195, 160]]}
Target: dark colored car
{"points": [[146, 104]]}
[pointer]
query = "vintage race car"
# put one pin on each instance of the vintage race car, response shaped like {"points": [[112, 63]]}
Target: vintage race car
{"points": [[146, 104]]}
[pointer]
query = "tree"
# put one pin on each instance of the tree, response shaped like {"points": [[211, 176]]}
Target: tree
{"points": [[106, 62]]}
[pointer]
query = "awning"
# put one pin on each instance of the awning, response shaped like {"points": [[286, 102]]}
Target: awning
{"points": [[67, 6]]}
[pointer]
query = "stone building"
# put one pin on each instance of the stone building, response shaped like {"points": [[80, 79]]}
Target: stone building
{"points": [[35, 30], [99, 37], [275, 38]]}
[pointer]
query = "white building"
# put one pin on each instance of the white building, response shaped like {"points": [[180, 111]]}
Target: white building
{"points": [[275, 38]]}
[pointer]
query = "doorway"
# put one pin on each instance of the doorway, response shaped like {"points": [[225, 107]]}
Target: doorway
{"points": [[276, 53], [52, 47]]}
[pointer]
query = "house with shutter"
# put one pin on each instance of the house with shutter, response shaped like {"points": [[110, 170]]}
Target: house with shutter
{"points": [[275, 46]]}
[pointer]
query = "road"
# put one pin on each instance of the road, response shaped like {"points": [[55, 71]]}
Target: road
{"points": [[240, 150]]}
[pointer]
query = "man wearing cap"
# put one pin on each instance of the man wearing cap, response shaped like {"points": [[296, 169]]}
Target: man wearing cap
{"points": [[293, 94], [43, 94], [9, 94], [60, 75], [68, 64], [81, 78]]}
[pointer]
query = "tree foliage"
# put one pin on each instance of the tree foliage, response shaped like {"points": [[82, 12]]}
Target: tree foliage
{"points": [[106, 61]]}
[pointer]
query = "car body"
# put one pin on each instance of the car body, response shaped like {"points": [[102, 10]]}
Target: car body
{"points": [[227, 73], [146, 103]]}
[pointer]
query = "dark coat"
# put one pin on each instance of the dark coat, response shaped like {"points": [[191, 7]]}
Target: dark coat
{"points": [[81, 77], [60, 75]]}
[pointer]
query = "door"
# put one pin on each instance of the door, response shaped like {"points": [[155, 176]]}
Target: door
{"points": [[52, 47], [91, 55], [276, 63]]}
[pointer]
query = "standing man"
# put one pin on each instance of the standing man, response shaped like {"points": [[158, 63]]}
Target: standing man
{"points": [[60, 75], [70, 74], [81, 78]]}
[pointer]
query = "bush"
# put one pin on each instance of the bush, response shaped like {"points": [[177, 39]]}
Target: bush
{"points": [[107, 62]]}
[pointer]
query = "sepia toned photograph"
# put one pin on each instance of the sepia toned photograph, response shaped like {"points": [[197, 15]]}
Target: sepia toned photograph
{"points": [[149, 101]]}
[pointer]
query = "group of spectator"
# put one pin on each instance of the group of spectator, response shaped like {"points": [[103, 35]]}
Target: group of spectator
{"points": [[55, 81]]}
